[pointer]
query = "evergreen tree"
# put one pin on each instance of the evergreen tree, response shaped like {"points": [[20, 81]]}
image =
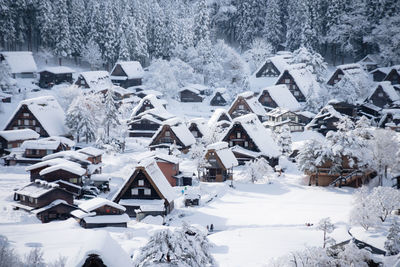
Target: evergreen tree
{"points": [[110, 120], [109, 36], [157, 31], [273, 26], [45, 22], [61, 30], [77, 26], [201, 22], [285, 140], [392, 243], [91, 53]]}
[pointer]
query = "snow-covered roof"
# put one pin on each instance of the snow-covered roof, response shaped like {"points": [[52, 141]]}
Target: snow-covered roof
{"points": [[277, 112], [388, 88], [132, 69], [283, 97], [20, 62], [213, 121], [50, 162], [68, 166], [52, 142], [15, 135], [48, 112], [279, 61], [52, 204], [180, 130], [99, 219], [97, 80], [304, 79], [58, 70], [91, 151], [100, 243], [165, 157], [252, 102], [222, 91], [195, 88], [150, 92], [67, 154], [95, 203], [370, 59], [223, 152], [261, 136], [201, 124], [4, 95], [158, 109], [325, 113], [357, 76], [385, 70], [37, 189]]}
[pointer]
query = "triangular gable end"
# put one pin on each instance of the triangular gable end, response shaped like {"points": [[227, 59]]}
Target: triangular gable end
{"points": [[173, 136], [118, 71], [232, 128], [25, 109]]}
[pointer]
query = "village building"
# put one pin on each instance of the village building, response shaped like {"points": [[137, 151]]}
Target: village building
{"points": [[394, 75], [74, 189], [46, 200], [370, 62], [94, 154], [198, 127], [147, 117], [220, 97], [100, 212], [379, 74], [350, 175], [384, 95], [246, 103], [273, 66], [146, 191], [329, 115], [14, 138], [219, 163], [43, 114], [300, 81], [169, 166], [278, 96], [249, 139], [127, 74], [143, 93], [390, 119], [279, 117], [193, 93], [220, 118], [21, 63], [94, 80], [55, 75], [5, 98], [173, 132]]}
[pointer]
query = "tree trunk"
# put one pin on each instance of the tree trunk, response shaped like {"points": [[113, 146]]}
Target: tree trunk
{"points": [[59, 61], [324, 239]]}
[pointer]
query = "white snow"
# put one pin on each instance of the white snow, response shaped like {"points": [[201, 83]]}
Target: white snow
{"points": [[20, 62], [304, 79], [252, 101], [94, 203], [282, 97], [132, 69], [91, 151], [58, 70], [218, 113], [97, 80], [16, 135], [68, 166], [388, 88], [223, 152]]}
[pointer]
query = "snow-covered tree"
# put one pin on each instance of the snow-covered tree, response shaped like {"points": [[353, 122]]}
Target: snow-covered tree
{"points": [[61, 30], [284, 140], [110, 120], [8, 257], [259, 51], [273, 29], [362, 213], [315, 63], [35, 258], [384, 200], [256, 170], [45, 20], [351, 255], [109, 35], [92, 54], [201, 22], [308, 158], [392, 243], [76, 27], [326, 226], [7, 83], [186, 247]]}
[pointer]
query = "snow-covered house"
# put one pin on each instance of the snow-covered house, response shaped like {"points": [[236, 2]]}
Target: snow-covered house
{"points": [[169, 165], [5, 98], [99, 249], [220, 118], [41, 114], [370, 62], [39, 194], [94, 80], [94, 154], [329, 115], [220, 97], [273, 66], [193, 93], [127, 74], [300, 81], [390, 119], [384, 95], [147, 117], [100, 212], [173, 131], [278, 96], [219, 163], [379, 74], [141, 93], [394, 75], [249, 139], [59, 209], [46, 146], [50, 76], [246, 103], [198, 127], [22, 64], [146, 191], [279, 117], [14, 138]]}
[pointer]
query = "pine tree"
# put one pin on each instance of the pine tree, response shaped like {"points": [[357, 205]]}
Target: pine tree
{"points": [[392, 243], [124, 54], [157, 31], [273, 25], [294, 25], [61, 30], [109, 36], [91, 53], [77, 27], [201, 22], [45, 22], [110, 120], [285, 140], [138, 39], [7, 27]]}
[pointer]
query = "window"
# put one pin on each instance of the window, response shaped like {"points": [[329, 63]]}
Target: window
{"points": [[26, 122], [147, 192], [49, 151], [31, 199], [218, 98], [296, 93], [167, 133], [23, 198], [73, 180], [19, 122], [135, 192], [194, 133], [340, 76], [33, 122], [34, 152], [146, 108], [15, 128], [238, 135], [241, 107], [230, 143], [246, 144], [26, 114], [287, 81], [141, 182], [380, 94], [37, 129], [35, 200]]}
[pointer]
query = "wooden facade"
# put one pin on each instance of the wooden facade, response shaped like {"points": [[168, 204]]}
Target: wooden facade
{"points": [[59, 211], [62, 175], [6, 144], [218, 100], [290, 82], [118, 72], [380, 98], [268, 70], [170, 171], [378, 75], [266, 100], [165, 138], [190, 96], [143, 127], [48, 79], [24, 119], [393, 76], [241, 107], [237, 136], [194, 129], [38, 153], [214, 170], [336, 77]]}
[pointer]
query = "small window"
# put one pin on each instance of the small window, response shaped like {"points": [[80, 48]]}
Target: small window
{"points": [[168, 133], [287, 81], [141, 182], [23, 198], [146, 108], [26, 114], [19, 122], [26, 122], [230, 143], [296, 93], [31, 199], [246, 144], [135, 191], [73, 180], [34, 152], [238, 135], [218, 98], [241, 107], [195, 133], [33, 122], [380, 94], [36, 201], [147, 192], [37, 129]]}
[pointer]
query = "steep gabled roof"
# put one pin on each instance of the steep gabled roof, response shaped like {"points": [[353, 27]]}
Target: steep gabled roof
{"points": [[20, 62], [282, 97], [201, 124], [279, 61], [180, 130], [97, 80], [95, 203], [304, 79], [158, 109], [48, 112], [22, 134], [58, 70], [224, 154], [214, 120], [388, 88], [252, 101], [132, 69]]}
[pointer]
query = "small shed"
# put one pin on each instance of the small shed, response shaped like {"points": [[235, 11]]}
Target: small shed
{"points": [[5, 98], [57, 210], [14, 138], [127, 74], [94, 80], [21, 63], [278, 96], [193, 93], [220, 97], [55, 75], [94, 154]]}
